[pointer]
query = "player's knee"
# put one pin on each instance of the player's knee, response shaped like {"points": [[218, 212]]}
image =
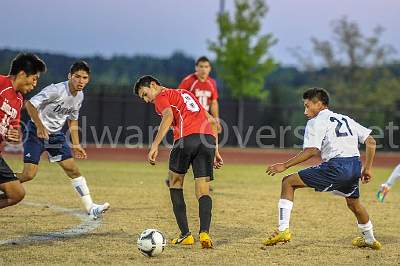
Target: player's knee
{"points": [[20, 196], [16, 196], [354, 205], [75, 173], [286, 181], [72, 172], [202, 189], [175, 181]]}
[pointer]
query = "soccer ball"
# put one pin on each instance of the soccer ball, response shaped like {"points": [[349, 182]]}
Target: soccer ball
{"points": [[151, 242]]}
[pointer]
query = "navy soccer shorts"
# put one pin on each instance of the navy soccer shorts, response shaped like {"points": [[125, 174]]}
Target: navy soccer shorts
{"points": [[338, 175], [197, 150], [56, 146], [6, 174]]}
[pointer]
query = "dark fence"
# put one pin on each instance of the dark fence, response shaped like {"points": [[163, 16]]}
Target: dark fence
{"points": [[127, 120]]}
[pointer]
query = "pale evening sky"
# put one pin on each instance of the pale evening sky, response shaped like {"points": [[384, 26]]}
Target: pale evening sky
{"points": [[160, 27]]}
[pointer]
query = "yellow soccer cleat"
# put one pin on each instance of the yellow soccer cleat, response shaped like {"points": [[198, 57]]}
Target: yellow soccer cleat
{"points": [[360, 242], [187, 239], [278, 236], [205, 240]]}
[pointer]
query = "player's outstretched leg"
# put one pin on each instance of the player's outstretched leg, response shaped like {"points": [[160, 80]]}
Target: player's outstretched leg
{"points": [[28, 173], [364, 225], [282, 234], [79, 184], [202, 187], [385, 187], [179, 208], [95, 211]]}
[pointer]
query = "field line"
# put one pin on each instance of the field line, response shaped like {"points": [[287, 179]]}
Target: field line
{"points": [[85, 227]]}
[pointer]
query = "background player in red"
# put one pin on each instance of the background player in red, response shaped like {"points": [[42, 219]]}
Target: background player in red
{"points": [[204, 88], [195, 144], [24, 74]]}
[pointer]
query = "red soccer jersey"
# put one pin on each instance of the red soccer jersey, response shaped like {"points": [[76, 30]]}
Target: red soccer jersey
{"points": [[10, 106], [189, 115], [205, 91]]}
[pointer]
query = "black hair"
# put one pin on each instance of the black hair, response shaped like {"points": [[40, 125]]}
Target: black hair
{"points": [[31, 64], [317, 93], [144, 82], [79, 65], [202, 59]]}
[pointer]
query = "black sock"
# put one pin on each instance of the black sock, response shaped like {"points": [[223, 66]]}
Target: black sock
{"points": [[179, 207], [205, 206]]}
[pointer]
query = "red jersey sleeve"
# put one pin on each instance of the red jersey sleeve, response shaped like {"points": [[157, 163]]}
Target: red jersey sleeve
{"points": [[162, 102], [214, 95], [185, 83]]}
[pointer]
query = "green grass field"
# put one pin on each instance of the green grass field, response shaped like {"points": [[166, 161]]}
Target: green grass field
{"points": [[245, 210]]}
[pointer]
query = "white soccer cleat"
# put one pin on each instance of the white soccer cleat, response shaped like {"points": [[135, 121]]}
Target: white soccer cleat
{"points": [[97, 210]]}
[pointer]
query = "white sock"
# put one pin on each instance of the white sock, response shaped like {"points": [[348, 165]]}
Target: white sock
{"points": [[285, 208], [394, 176], [82, 189], [367, 232]]}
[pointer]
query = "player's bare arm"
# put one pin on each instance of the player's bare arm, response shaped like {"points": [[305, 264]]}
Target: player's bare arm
{"points": [[79, 152], [214, 110], [42, 132], [302, 156], [166, 122], [218, 161], [370, 147]]}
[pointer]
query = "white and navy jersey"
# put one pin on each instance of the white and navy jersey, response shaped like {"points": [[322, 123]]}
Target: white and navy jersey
{"points": [[56, 104], [335, 135]]}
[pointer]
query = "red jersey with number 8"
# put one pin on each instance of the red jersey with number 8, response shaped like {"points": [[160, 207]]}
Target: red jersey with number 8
{"points": [[189, 116], [10, 106], [205, 91]]}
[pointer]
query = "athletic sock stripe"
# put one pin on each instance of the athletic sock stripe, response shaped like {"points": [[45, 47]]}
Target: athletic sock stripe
{"points": [[78, 188]]}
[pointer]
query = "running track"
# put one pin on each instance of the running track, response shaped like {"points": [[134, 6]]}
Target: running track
{"points": [[230, 155]]}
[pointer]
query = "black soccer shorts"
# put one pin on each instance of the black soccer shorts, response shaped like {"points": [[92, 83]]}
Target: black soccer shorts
{"points": [[6, 174], [197, 150]]}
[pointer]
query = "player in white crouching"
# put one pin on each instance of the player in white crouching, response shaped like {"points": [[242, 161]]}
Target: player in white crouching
{"points": [[335, 137], [49, 110]]}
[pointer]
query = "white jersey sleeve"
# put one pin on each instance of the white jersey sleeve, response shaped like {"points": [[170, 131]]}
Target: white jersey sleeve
{"points": [[314, 134], [361, 131], [46, 95]]}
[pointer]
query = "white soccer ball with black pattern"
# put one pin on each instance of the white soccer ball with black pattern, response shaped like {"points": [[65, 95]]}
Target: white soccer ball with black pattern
{"points": [[151, 242]]}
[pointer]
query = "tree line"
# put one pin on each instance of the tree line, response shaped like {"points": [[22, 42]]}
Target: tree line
{"points": [[358, 70]]}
